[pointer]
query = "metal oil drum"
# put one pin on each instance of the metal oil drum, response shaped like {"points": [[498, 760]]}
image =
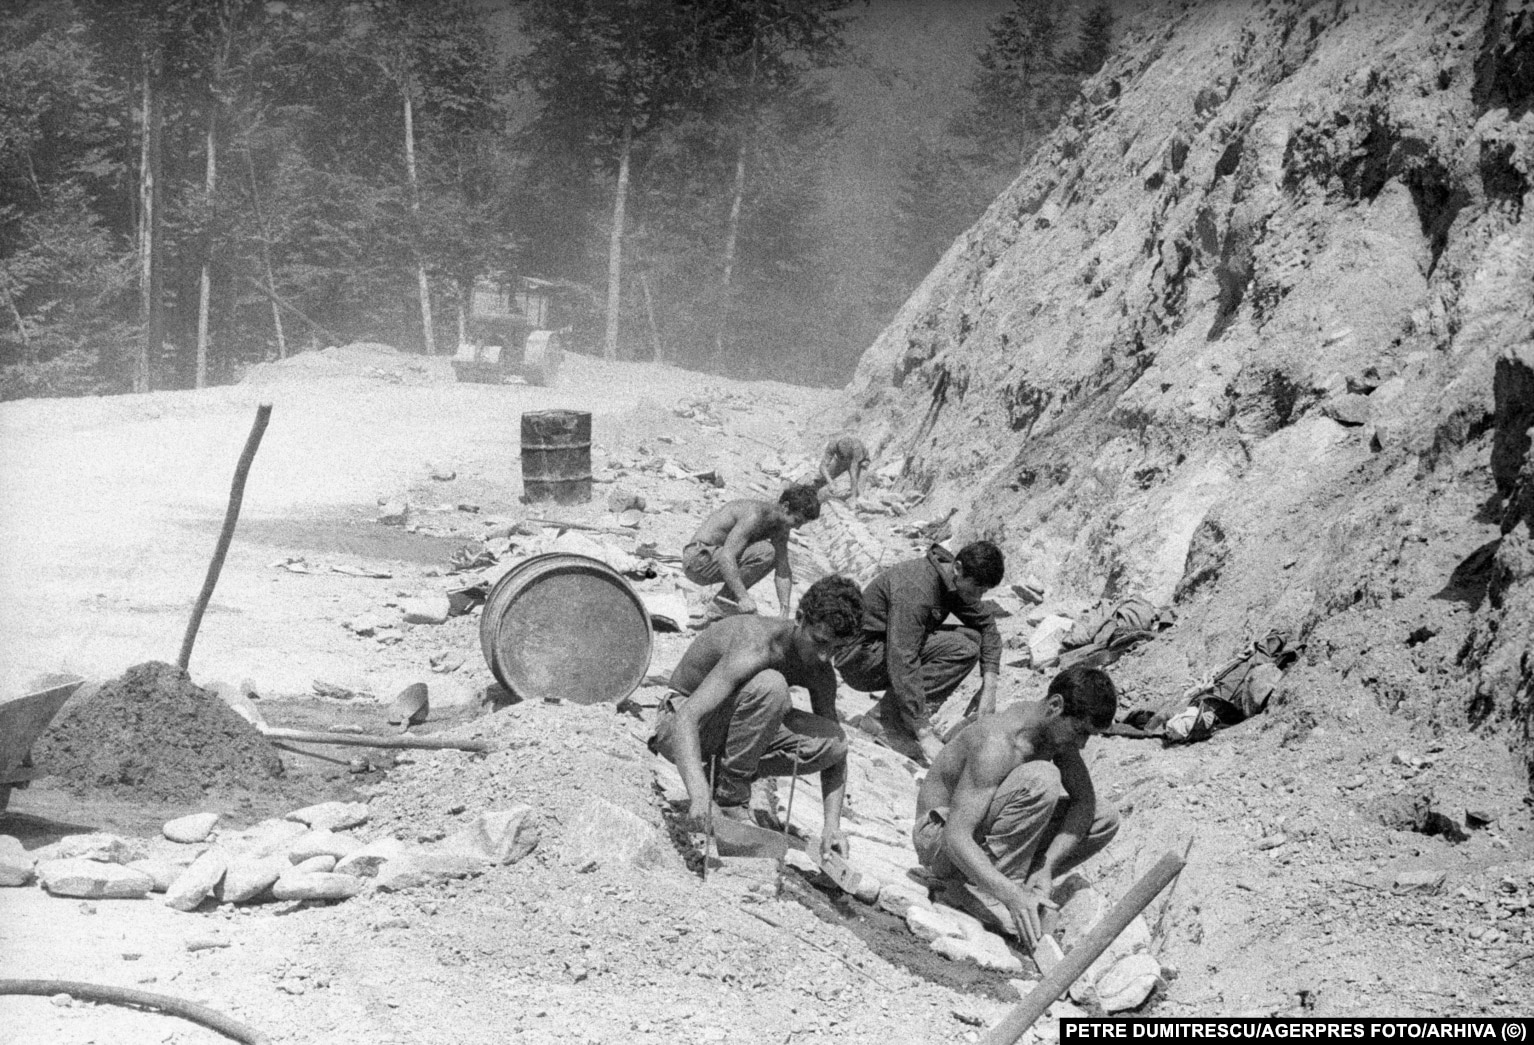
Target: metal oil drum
{"points": [[556, 456], [561, 626]]}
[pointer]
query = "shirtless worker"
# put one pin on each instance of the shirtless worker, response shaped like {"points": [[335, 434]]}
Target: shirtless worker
{"points": [[743, 542], [906, 651], [729, 701], [845, 453], [1008, 805]]}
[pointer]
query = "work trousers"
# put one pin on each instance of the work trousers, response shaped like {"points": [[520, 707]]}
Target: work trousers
{"points": [[947, 656], [1023, 818], [756, 732], [700, 563]]}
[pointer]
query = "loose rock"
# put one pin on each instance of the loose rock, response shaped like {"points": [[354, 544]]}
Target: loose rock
{"points": [[197, 881], [190, 829], [93, 880], [16, 864]]}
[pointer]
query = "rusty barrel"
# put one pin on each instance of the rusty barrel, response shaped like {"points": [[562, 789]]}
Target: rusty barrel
{"points": [[556, 456], [560, 626]]}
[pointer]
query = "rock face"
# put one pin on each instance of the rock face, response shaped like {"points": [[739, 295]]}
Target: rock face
{"points": [[1237, 330]]}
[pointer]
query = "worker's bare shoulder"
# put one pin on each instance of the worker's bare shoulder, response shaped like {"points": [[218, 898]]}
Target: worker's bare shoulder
{"points": [[993, 747], [747, 636]]}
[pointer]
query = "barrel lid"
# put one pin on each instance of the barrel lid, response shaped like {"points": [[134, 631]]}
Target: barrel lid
{"points": [[562, 626]]}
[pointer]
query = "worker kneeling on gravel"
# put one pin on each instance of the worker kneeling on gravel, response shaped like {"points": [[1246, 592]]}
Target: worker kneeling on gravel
{"points": [[906, 651], [729, 704], [1008, 805], [743, 542]]}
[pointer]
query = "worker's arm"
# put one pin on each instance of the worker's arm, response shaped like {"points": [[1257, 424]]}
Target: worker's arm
{"points": [[833, 779], [783, 574], [728, 558], [985, 767], [988, 692], [856, 473], [826, 460], [1080, 811], [733, 671]]}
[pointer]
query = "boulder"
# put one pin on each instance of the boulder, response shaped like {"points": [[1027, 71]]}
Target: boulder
{"points": [[613, 837], [264, 838], [16, 864], [194, 884], [106, 848], [331, 816], [316, 885], [249, 877], [93, 879], [933, 923], [365, 862], [191, 829]]}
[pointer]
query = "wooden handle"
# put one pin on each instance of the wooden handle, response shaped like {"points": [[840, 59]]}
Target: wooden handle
{"points": [[304, 736]]}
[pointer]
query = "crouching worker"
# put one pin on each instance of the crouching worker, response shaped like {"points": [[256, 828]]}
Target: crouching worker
{"points": [[1008, 805], [729, 704]]}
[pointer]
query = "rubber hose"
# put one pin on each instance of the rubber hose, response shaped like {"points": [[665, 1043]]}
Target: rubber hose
{"points": [[96, 992]]}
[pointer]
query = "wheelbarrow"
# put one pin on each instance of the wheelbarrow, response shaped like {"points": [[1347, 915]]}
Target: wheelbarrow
{"points": [[22, 721]]}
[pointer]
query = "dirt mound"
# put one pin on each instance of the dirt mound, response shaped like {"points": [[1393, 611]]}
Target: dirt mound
{"points": [[156, 734], [364, 359]]}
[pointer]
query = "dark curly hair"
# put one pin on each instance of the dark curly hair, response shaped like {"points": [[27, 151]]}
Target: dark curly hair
{"points": [[836, 602], [1086, 693], [803, 501], [982, 561]]}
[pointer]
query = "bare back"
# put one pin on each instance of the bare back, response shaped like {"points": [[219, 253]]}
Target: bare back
{"points": [[983, 754], [760, 519]]}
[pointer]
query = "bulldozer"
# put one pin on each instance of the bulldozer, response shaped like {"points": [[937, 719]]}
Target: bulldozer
{"points": [[510, 333]]}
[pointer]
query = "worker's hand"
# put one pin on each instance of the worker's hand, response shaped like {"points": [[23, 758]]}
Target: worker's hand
{"points": [[1025, 903], [834, 841], [697, 814], [746, 603]]}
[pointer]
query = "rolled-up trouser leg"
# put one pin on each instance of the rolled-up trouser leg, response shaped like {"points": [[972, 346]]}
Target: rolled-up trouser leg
{"points": [[819, 742], [700, 563], [1026, 814]]}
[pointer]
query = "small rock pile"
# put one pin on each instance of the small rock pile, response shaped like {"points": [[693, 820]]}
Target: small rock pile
{"points": [[310, 854], [153, 733]]}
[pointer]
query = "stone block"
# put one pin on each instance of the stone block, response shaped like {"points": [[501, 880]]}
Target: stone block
{"points": [[331, 816], [932, 923], [1048, 635], [105, 848], [247, 878], [321, 843], [365, 862], [428, 609], [1419, 881], [316, 885], [93, 879], [1128, 982], [194, 884], [502, 837], [162, 872], [323, 862], [264, 838], [189, 830], [16, 864], [416, 869], [611, 836], [988, 951]]}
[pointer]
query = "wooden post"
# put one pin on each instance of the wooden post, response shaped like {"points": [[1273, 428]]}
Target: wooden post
{"points": [[1059, 979], [231, 516]]}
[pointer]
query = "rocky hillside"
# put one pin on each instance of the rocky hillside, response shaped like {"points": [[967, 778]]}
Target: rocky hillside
{"points": [[1254, 335]]}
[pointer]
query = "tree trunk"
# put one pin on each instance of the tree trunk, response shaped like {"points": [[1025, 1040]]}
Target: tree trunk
{"points": [[615, 246], [731, 238], [151, 309], [423, 287], [205, 287], [266, 255], [649, 311]]}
